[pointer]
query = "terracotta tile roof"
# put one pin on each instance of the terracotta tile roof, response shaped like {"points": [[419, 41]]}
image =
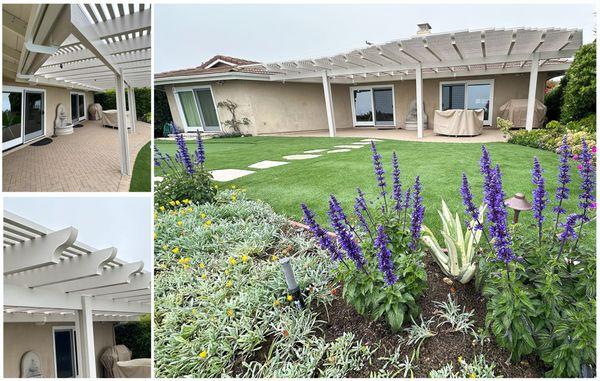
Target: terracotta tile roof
{"points": [[220, 68]]}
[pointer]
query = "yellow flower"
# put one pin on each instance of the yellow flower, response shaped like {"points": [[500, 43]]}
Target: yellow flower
{"points": [[208, 223], [177, 203], [165, 247], [460, 359], [234, 198], [274, 258], [162, 208], [289, 298], [179, 223], [276, 303], [216, 186], [227, 272], [201, 265], [184, 261], [203, 276], [472, 375], [175, 250], [186, 201], [230, 312], [194, 311], [202, 215], [232, 261], [203, 355], [190, 209], [229, 284], [172, 203], [233, 187], [245, 258]]}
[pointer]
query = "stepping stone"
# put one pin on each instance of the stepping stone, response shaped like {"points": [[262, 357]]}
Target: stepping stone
{"points": [[300, 157], [371, 140], [267, 164], [315, 151], [229, 174], [158, 179], [362, 143], [339, 150], [348, 146]]}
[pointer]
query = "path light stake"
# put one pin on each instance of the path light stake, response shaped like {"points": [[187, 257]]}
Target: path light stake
{"points": [[292, 285], [518, 203]]}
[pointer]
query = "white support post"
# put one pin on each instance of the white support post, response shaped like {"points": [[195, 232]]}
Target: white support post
{"points": [[419, 89], [533, 77], [80, 369], [130, 106], [123, 138], [86, 326], [328, 104], [133, 110]]}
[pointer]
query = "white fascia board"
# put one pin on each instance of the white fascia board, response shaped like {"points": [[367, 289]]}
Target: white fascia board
{"points": [[41, 298], [80, 267], [38, 252], [136, 281], [218, 61], [210, 78], [38, 318]]}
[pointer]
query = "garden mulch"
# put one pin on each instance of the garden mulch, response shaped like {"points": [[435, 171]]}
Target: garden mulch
{"points": [[435, 351]]}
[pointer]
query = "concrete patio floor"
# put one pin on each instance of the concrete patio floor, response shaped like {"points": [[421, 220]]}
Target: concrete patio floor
{"points": [[489, 135], [85, 161]]}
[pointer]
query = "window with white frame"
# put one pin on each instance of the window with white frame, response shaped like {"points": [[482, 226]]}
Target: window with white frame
{"points": [[373, 105], [468, 95], [197, 108]]}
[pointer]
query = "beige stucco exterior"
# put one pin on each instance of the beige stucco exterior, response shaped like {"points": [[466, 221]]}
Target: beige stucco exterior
{"points": [[275, 107], [23, 337], [54, 96]]}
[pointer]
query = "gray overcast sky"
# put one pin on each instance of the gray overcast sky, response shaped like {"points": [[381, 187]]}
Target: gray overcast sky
{"points": [[101, 221], [187, 35]]}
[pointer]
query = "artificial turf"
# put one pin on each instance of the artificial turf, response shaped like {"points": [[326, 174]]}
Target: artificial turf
{"points": [[439, 165], [140, 178]]}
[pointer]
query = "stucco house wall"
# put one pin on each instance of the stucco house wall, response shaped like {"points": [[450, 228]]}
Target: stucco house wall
{"points": [[275, 107], [23, 337]]}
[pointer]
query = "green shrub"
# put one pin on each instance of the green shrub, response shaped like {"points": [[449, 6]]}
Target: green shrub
{"points": [[587, 124], [176, 187], [504, 126], [108, 101], [580, 92], [554, 99], [162, 112], [137, 336]]}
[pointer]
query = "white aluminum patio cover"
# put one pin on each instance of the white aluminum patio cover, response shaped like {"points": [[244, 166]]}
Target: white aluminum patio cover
{"points": [[458, 122], [515, 110]]}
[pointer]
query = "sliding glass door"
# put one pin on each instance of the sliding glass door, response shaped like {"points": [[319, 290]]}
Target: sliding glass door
{"points": [[11, 119], [23, 113], [373, 106], [34, 114], [468, 95], [198, 109], [77, 107]]}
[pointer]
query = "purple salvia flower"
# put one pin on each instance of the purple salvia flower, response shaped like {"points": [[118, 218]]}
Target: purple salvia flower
{"points": [[564, 178], [540, 196], [325, 241], [417, 215], [386, 265], [200, 154], [587, 173], [184, 155], [568, 231], [345, 239], [397, 185], [378, 168], [406, 205], [497, 216], [471, 209], [358, 210]]}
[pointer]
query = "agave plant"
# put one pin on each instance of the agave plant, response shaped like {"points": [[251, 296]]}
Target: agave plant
{"points": [[458, 259]]}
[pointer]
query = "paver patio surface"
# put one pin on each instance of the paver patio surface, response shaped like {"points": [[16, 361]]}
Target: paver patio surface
{"points": [[86, 161]]}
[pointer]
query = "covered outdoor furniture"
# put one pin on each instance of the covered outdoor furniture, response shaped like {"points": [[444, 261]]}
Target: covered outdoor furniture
{"points": [[110, 118], [515, 110], [458, 122], [95, 111], [117, 363]]}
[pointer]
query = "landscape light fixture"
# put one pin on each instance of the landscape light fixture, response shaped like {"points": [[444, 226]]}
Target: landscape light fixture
{"points": [[292, 285], [518, 203]]}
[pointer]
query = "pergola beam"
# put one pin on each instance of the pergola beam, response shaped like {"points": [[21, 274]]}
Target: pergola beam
{"points": [[115, 276]]}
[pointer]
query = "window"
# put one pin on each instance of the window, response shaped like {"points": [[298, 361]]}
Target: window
{"points": [[373, 106], [469, 95], [198, 109]]}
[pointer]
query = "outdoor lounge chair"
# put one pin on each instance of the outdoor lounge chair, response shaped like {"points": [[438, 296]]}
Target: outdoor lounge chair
{"points": [[458, 122]]}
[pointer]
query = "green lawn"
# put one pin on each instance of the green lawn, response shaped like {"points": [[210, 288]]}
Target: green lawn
{"points": [[440, 166], [140, 178]]}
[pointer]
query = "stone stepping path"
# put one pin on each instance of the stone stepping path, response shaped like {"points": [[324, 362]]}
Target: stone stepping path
{"points": [[362, 143], [371, 140], [229, 174], [348, 146], [315, 151], [339, 150], [267, 164], [300, 157]]}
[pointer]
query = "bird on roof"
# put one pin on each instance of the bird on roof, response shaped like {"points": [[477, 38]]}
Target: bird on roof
{"points": [[368, 43]]}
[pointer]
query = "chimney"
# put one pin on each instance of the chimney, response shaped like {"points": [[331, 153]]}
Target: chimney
{"points": [[424, 28]]}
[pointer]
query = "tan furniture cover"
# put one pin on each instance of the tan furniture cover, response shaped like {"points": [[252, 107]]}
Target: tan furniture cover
{"points": [[110, 118], [458, 122], [95, 111], [515, 110], [117, 363]]}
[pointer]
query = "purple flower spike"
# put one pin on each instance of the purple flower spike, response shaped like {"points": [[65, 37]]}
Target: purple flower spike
{"points": [[587, 173], [540, 196], [497, 216], [325, 241], [568, 232], [417, 215], [564, 178], [378, 168], [184, 155], [358, 210], [200, 154], [386, 265], [345, 239], [471, 209], [397, 185]]}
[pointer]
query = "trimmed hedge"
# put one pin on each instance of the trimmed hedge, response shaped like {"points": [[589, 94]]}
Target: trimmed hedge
{"points": [[554, 100], [137, 336], [162, 112], [108, 101], [580, 93]]}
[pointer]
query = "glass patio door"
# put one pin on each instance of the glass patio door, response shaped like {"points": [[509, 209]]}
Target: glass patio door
{"points": [[198, 109], [34, 114], [12, 134], [468, 96], [373, 106], [65, 353], [77, 107]]}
